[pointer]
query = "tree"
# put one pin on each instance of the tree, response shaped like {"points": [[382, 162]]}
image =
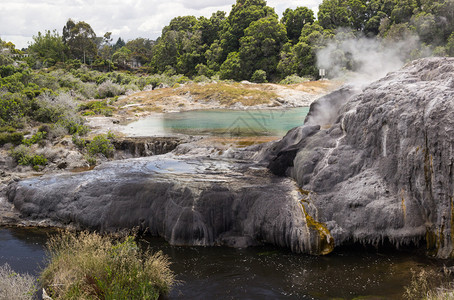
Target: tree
{"points": [[300, 58], [231, 68], [186, 23], [141, 49], [243, 13], [294, 20], [80, 38], [333, 14], [450, 45], [48, 48], [166, 51], [119, 44], [260, 46], [403, 10], [122, 57], [211, 28]]}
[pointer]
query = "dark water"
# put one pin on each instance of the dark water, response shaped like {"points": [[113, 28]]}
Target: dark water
{"points": [[252, 273], [220, 123]]}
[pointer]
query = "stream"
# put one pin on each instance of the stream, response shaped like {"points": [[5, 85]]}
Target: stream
{"points": [[252, 273]]}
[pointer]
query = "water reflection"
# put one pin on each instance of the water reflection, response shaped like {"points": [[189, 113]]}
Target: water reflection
{"points": [[252, 273], [23, 249]]}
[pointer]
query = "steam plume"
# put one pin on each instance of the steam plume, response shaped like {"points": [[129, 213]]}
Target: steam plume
{"points": [[368, 59]]}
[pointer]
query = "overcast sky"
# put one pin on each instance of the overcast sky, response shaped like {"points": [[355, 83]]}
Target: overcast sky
{"points": [[129, 19]]}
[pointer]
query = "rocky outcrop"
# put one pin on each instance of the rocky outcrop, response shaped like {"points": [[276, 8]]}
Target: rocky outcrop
{"points": [[145, 146], [383, 170], [186, 201]]}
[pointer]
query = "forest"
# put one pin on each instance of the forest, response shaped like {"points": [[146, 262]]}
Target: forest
{"points": [[252, 42]]}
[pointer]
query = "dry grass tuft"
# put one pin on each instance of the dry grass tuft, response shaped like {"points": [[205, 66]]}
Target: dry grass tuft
{"points": [[430, 285], [16, 286], [91, 266]]}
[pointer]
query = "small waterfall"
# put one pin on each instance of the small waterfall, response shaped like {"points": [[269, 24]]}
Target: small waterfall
{"points": [[385, 129]]}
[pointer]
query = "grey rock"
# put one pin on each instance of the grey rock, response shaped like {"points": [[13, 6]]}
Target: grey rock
{"points": [[383, 171], [186, 201]]}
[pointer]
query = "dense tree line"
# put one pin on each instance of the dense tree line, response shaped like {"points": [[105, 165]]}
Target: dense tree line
{"points": [[251, 38]]}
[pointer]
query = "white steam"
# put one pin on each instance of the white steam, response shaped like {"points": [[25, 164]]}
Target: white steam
{"points": [[364, 60]]}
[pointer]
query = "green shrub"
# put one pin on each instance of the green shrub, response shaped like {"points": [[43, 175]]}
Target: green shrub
{"points": [[12, 107], [78, 141], [111, 136], [91, 266], [13, 138], [36, 138], [102, 145], [259, 76], [23, 156], [7, 129], [96, 107], [293, 79], [73, 126], [91, 160]]}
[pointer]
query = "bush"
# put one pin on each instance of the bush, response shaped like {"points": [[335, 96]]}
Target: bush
{"points": [[102, 145], [13, 138], [73, 125], [23, 156], [109, 89], [293, 79], [51, 107], [78, 141], [96, 107], [16, 286], [12, 108], [259, 76], [36, 138], [91, 266]]}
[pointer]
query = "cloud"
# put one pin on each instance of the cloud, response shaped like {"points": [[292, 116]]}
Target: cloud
{"points": [[22, 19]]}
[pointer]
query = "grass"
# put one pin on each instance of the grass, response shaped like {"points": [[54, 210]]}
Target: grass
{"points": [[91, 266], [430, 285], [229, 94], [16, 286], [226, 93]]}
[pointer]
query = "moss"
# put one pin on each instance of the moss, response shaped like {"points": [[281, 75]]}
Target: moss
{"points": [[325, 239]]}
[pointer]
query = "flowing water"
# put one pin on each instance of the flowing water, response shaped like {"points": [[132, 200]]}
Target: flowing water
{"points": [[252, 273], [220, 123]]}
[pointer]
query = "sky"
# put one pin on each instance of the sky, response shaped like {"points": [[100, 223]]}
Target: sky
{"points": [[20, 20]]}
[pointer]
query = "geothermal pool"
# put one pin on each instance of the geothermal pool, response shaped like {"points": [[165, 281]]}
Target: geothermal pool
{"points": [[258, 122], [252, 273]]}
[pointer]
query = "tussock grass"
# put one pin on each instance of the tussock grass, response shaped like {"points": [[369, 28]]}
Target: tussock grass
{"points": [[91, 266], [430, 285], [16, 286]]}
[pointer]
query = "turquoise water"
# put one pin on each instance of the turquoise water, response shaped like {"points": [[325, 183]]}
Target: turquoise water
{"points": [[220, 123]]}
